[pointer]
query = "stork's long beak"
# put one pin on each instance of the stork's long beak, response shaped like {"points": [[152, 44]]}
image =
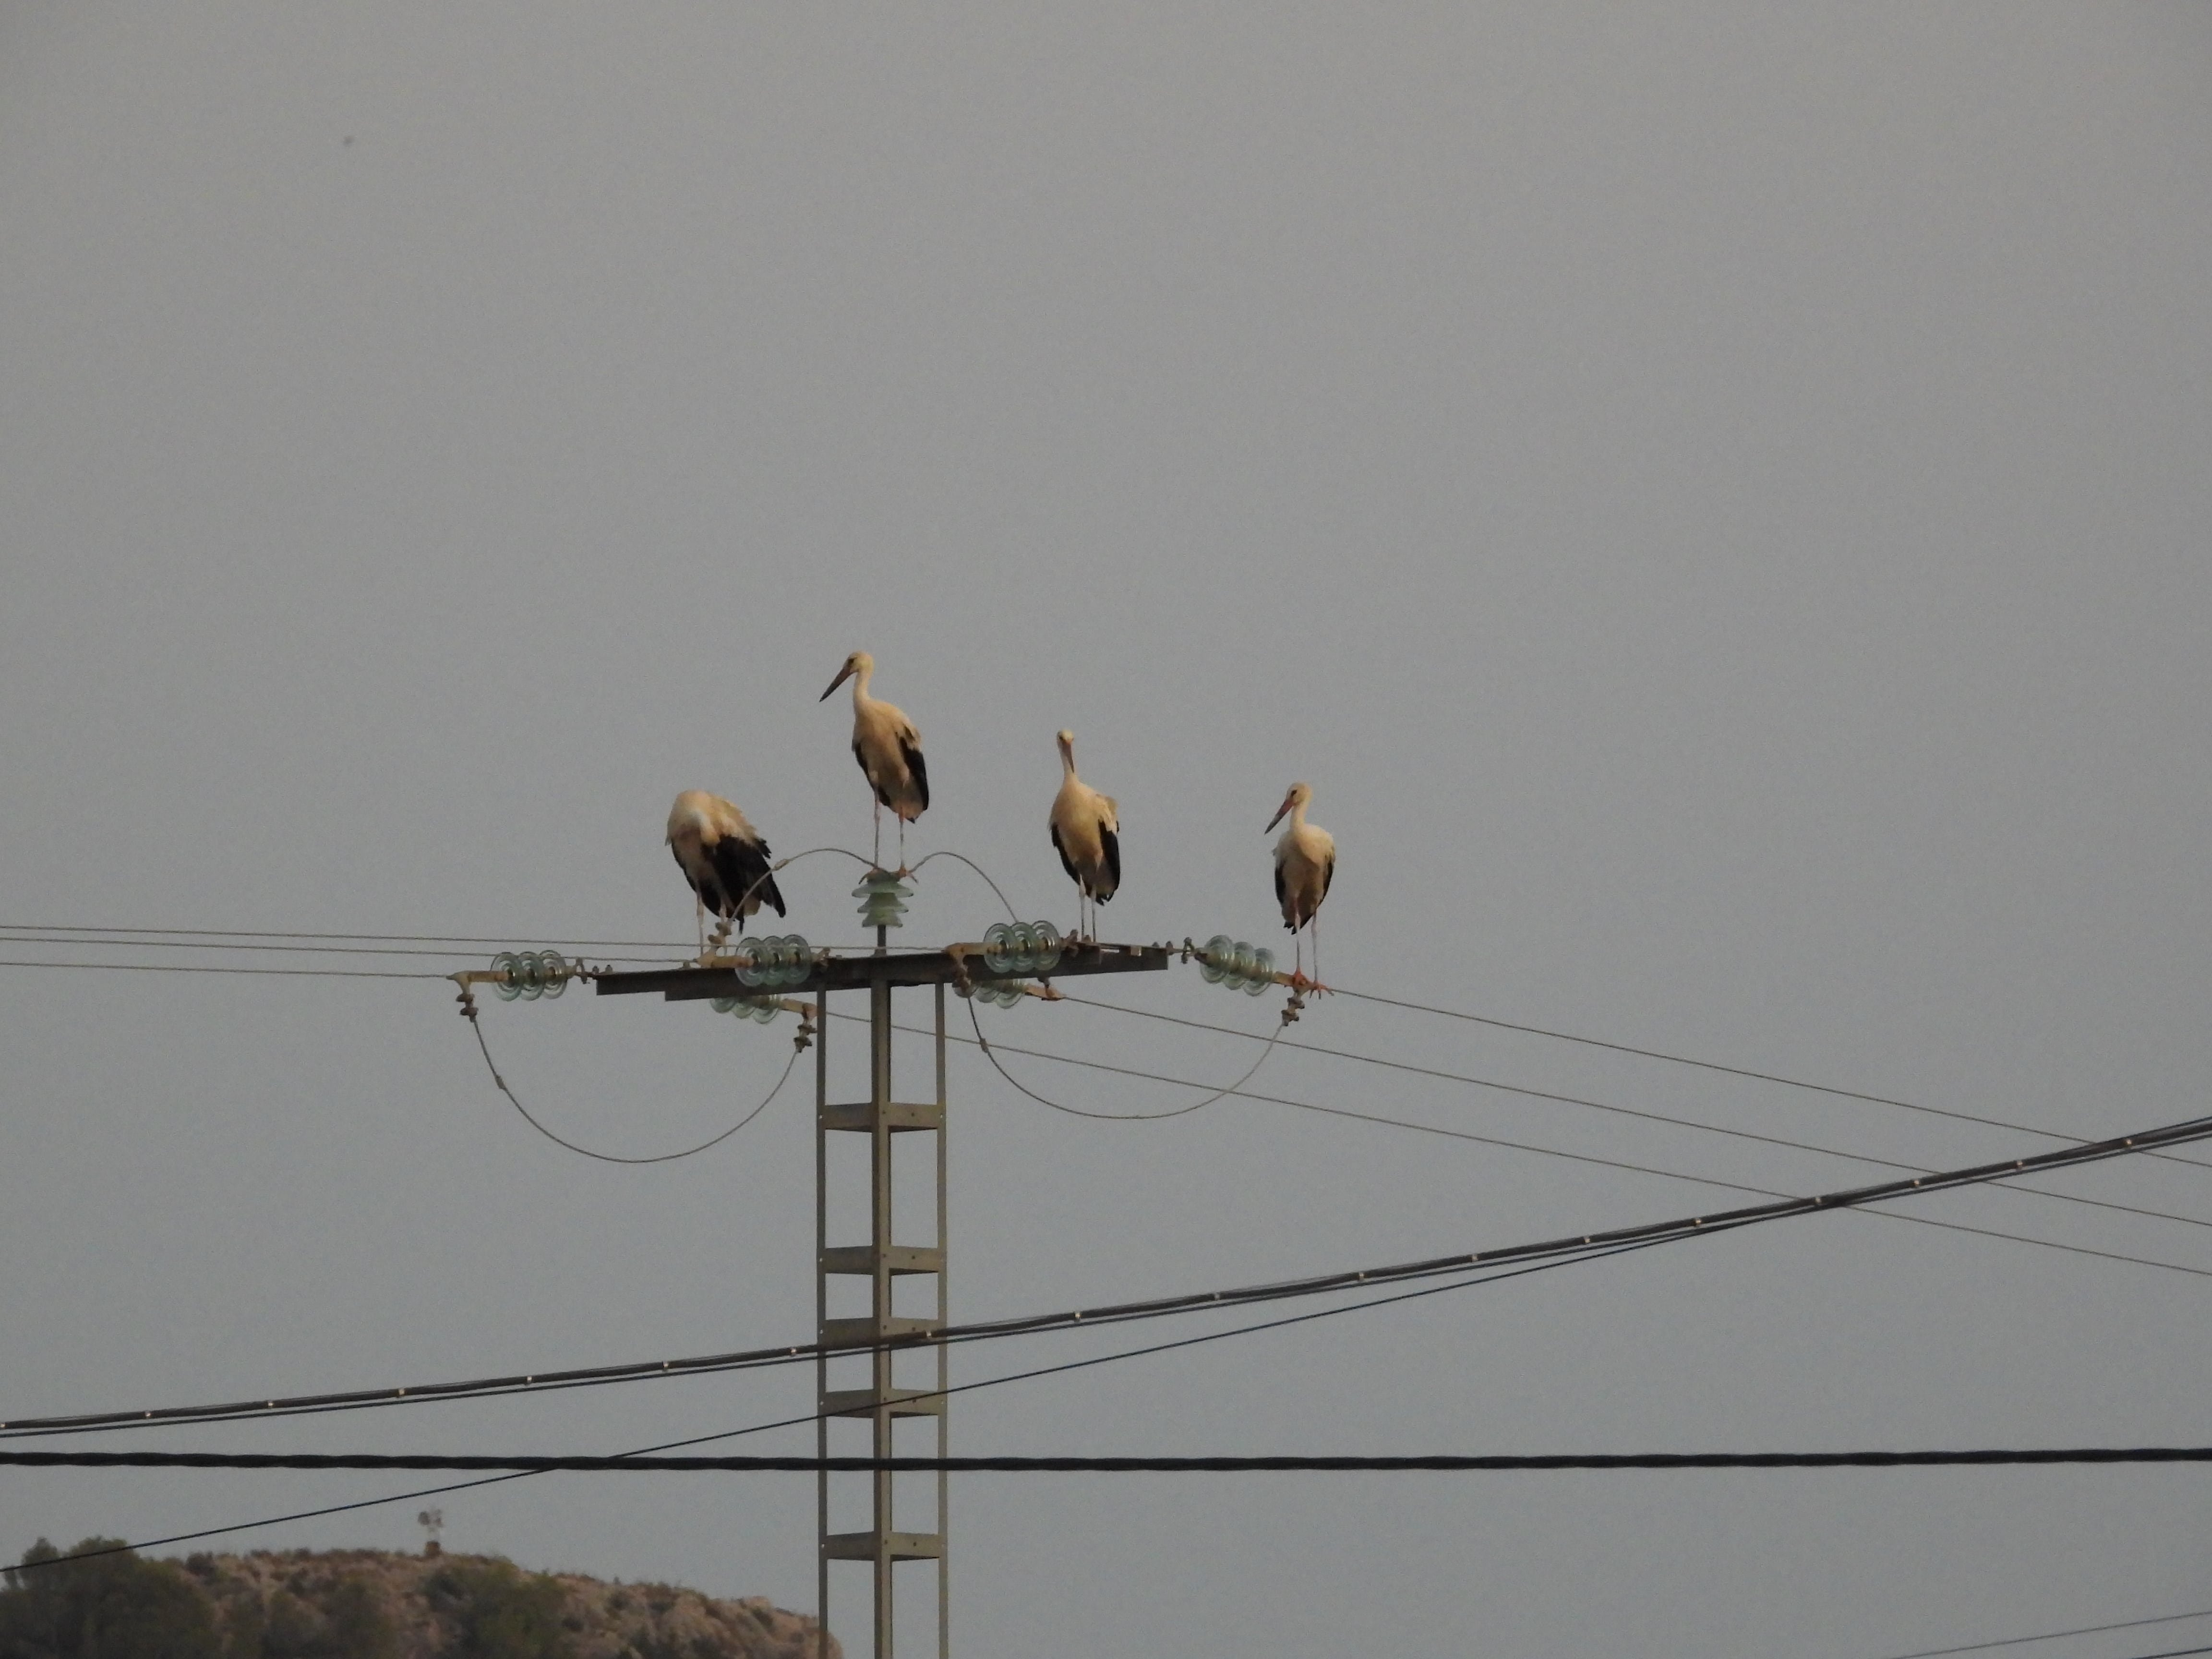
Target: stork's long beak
{"points": [[1280, 811], [843, 674]]}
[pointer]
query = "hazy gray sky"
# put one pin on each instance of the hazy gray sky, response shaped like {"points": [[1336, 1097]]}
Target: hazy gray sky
{"points": [[1714, 499]]}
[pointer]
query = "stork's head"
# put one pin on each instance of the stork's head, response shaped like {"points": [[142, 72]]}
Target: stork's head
{"points": [[859, 662], [1299, 794]]}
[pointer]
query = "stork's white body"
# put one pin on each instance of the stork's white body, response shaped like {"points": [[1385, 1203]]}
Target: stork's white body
{"points": [[888, 748], [1305, 863], [722, 856], [1086, 828]]}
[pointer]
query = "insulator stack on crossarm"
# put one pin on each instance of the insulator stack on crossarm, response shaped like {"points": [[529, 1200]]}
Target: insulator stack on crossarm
{"points": [[530, 974], [780, 959], [1022, 947], [1246, 968], [1004, 994], [759, 1008], [883, 898]]}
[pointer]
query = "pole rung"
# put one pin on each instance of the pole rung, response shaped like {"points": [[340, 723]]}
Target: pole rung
{"points": [[868, 1545], [897, 1116], [859, 1332], [900, 1402], [897, 1258]]}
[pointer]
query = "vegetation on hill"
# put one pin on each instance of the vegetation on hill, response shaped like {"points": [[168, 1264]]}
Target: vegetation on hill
{"points": [[364, 1604]]}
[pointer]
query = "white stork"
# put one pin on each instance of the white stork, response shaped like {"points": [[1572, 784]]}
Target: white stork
{"points": [[723, 857], [1086, 828], [1306, 860], [888, 750]]}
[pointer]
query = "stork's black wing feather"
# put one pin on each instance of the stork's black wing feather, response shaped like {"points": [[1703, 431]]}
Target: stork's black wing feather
{"points": [[738, 864], [1112, 845], [1065, 863], [919, 768], [1283, 898], [1328, 875]]}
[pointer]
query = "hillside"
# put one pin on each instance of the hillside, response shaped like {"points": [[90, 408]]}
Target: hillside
{"points": [[365, 1604]]}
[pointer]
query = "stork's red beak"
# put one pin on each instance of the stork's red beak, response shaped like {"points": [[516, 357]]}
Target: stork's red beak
{"points": [[1280, 811], [843, 674]]}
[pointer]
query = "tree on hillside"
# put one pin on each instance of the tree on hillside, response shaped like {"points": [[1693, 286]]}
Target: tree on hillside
{"points": [[109, 1607]]}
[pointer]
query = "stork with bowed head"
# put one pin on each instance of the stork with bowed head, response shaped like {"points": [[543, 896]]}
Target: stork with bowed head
{"points": [[724, 858], [888, 750], [1305, 861], [1086, 829]]}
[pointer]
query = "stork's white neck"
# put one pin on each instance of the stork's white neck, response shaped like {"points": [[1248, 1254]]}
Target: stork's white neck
{"points": [[1297, 817], [1067, 760], [861, 686]]}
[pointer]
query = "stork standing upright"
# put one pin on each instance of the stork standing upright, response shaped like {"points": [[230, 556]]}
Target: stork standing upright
{"points": [[723, 857], [1086, 829], [888, 750], [1306, 860]]}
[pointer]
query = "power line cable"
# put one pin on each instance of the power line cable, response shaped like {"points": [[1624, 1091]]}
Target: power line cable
{"points": [[2056, 1635], [1429, 1268], [1117, 1117], [198, 967], [1290, 1463], [798, 1048], [947, 853], [1618, 1164], [1576, 1100], [1608, 1163], [495, 941], [301, 950], [815, 1417], [1701, 1065]]}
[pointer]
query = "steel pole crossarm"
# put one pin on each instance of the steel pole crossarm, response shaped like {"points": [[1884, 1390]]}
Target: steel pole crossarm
{"points": [[954, 965]]}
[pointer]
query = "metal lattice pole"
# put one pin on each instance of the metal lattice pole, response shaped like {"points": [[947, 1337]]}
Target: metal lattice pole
{"points": [[944, 1359], [881, 1261], [822, 1316]]}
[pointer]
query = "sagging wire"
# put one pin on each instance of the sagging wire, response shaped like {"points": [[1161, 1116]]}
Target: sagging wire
{"points": [[983, 1043], [1604, 1106], [790, 1422], [802, 1041], [723, 925], [1739, 1071], [947, 853]]}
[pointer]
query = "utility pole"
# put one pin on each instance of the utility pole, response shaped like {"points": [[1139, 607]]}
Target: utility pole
{"points": [[996, 968]]}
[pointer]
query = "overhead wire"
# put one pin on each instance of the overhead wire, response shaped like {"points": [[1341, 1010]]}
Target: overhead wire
{"points": [[1705, 1065], [2056, 1635], [1062, 1463], [206, 968], [495, 939], [1593, 1158], [1431, 1268], [1115, 1117], [947, 853], [1605, 1106], [7, 929], [1085, 1364], [301, 950], [477, 1026]]}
